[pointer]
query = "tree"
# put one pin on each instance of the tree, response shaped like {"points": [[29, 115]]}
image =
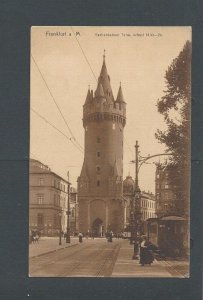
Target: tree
{"points": [[175, 107]]}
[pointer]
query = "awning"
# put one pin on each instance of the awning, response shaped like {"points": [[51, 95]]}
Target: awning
{"points": [[172, 218]]}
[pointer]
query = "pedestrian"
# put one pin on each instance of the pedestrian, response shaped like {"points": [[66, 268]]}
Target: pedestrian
{"points": [[36, 237], [80, 235], [146, 255]]}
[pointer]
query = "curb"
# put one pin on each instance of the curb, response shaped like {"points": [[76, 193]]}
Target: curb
{"points": [[53, 251]]}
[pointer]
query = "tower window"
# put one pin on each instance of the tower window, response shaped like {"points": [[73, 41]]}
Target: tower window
{"points": [[98, 153], [98, 140], [98, 182], [98, 168]]}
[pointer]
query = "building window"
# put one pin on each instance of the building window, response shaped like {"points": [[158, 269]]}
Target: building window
{"points": [[40, 219], [98, 153], [98, 140], [98, 168], [166, 186], [40, 199], [41, 181], [98, 182]]}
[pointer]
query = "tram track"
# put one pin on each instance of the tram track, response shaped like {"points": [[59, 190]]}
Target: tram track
{"points": [[94, 260]]}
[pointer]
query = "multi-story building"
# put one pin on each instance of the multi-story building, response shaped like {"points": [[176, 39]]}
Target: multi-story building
{"points": [[148, 205], [170, 231], [166, 202], [101, 206], [48, 194], [147, 202]]}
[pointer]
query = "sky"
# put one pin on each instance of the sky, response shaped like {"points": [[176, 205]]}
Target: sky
{"points": [[66, 60]]}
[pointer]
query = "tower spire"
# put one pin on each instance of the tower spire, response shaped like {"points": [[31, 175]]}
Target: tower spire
{"points": [[104, 80], [120, 95], [104, 55]]}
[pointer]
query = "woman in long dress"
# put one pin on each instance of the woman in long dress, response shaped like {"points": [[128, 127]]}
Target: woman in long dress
{"points": [[146, 255]]}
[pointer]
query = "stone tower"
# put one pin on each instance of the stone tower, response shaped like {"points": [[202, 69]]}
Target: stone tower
{"points": [[100, 183]]}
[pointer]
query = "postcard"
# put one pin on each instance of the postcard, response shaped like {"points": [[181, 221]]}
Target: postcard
{"points": [[109, 176]]}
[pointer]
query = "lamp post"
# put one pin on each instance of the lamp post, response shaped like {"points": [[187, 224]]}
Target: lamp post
{"points": [[68, 214], [135, 215], [60, 215]]}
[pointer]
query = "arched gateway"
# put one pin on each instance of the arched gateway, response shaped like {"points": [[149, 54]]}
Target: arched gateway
{"points": [[97, 228]]}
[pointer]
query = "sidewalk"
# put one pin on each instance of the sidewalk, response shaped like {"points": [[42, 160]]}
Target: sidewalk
{"points": [[125, 266], [49, 244]]}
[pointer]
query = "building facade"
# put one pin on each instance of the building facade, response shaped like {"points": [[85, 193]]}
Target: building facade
{"points": [[147, 202], [170, 231], [48, 194], [166, 202], [101, 206]]}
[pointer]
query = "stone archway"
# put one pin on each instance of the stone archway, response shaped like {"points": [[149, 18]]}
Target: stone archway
{"points": [[97, 228]]}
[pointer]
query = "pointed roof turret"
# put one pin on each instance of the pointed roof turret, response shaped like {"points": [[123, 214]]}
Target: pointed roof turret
{"points": [[104, 79], [89, 96], [120, 95], [99, 91]]}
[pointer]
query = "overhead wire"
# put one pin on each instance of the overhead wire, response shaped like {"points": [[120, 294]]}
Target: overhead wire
{"points": [[53, 98], [95, 77], [84, 54], [53, 126]]}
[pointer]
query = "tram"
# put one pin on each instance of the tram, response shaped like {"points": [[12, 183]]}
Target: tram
{"points": [[169, 234]]}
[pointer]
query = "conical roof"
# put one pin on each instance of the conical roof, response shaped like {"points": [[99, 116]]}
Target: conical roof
{"points": [[120, 95], [104, 80], [99, 91], [89, 97]]}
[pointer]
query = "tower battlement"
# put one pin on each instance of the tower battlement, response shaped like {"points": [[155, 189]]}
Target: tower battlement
{"points": [[101, 105]]}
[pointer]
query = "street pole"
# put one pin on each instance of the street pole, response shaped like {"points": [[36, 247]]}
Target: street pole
{"points": [[68, 214], [75, 212], [136, 164], [136, 203], [60, 214], [136, 206], [133, 215]]}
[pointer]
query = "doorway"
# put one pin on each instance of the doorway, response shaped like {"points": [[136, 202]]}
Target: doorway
{"points": [[97, 228]]}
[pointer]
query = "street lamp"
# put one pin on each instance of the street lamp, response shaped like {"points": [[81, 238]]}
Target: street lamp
{"points": [[137, 220], [60, 215], [68, 214], [135, 215]]}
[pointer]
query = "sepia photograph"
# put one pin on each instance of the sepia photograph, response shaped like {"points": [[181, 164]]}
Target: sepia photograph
{"points": [[110, 151]]}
